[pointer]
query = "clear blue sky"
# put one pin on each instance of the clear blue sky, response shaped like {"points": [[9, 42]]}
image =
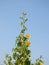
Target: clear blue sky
{"points": [[37, 24]]}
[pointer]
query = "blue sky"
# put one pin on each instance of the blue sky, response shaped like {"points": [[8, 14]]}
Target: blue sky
{"points": [[37, 24]]}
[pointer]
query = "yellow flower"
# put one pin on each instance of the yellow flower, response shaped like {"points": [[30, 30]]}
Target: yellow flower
{"points": [[40, 63], [27, 35], [27, 43]]}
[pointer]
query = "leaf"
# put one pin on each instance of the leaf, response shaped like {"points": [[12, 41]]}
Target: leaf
{"points": [[14, 56], [21, 23], [27, 62]]}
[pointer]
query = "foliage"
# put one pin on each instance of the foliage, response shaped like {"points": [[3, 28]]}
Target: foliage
{"points": [[21, 52]]}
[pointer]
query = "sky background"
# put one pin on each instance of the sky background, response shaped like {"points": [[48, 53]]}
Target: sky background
{"points": [[37, 24]]}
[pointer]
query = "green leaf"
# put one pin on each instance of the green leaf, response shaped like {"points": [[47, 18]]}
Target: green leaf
{"points": [[21, 23], [27, 62], [14, 56]]}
